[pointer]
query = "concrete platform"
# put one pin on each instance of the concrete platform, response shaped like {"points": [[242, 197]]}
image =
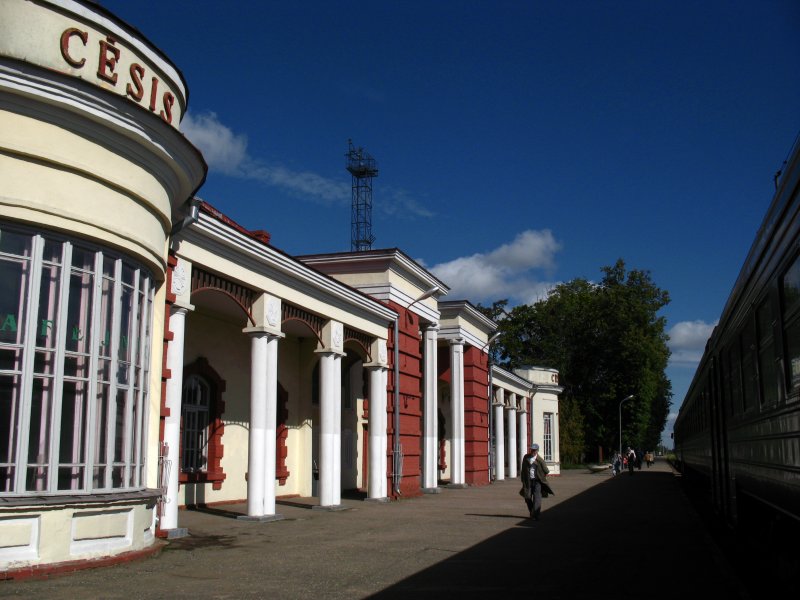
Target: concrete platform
{"points": [[630, 536]]}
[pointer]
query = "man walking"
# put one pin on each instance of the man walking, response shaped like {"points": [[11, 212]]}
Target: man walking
{"points": [[533, 472]]}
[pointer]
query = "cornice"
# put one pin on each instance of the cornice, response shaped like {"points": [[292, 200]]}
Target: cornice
{"points": [[502, 375], [254, 255]]}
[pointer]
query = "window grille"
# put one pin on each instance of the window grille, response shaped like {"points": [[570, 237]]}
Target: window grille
{"points": [[196, 417], [74, 366]]}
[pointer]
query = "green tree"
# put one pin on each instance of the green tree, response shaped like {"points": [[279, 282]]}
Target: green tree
{"points": [[607, 341]]}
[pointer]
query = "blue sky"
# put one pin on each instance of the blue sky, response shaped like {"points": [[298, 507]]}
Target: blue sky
{"points": [[520, 143]]}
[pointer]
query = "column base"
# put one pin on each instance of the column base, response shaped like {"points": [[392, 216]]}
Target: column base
{"points": [[261, 519], [331, 508], [434, 490], [457, 486], [383, 500], [174, 534]]}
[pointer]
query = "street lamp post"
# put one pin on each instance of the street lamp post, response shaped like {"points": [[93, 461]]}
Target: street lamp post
{"points": [[624, 400]]}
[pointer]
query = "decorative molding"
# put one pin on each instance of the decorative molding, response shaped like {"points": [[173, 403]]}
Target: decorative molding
{"points": [[273, 312], [337, 335], [178, 280]]}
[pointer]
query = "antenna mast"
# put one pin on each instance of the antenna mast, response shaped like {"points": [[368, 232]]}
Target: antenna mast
{"points": [[363, 168]]}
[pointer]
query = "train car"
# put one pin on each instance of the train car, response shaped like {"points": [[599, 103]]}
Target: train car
{"points": [[737, 435]]}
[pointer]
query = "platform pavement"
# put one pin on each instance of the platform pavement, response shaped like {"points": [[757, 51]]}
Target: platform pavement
{"points": [[599, 537]]}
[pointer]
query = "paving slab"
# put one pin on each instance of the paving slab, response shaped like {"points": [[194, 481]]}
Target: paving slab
{"points": [[629, 536]]}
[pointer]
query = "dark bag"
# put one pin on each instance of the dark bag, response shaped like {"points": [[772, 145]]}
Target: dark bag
{"points": [[522, 491]]}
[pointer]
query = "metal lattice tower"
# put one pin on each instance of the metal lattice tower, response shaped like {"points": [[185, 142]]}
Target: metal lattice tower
{"points": [[363, 168]]}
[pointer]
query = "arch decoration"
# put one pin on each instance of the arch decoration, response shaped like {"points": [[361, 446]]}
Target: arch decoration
{"points": [[363, 340], [310, 320], [243, 297]]}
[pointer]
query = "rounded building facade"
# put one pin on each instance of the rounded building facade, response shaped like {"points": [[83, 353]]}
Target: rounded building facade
{"points": [[93, 173]]}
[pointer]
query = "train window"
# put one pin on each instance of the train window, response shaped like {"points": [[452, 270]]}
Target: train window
{"points": [[793, 354], [791, 313], [725, 378], [791, 287], [735, 374], [749, 374], [767, 373]]}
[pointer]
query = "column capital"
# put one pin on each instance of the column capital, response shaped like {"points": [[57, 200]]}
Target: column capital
{"points": [[262, 330], [332, 351], [181, 308], [458, 341], [431, 326], [376, 366]]}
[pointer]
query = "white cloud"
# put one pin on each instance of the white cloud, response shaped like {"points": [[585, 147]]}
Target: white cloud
{"points": [[304, 183], [687, 341], [505, 272], [396, 202], [226, 152], [222, 149]]}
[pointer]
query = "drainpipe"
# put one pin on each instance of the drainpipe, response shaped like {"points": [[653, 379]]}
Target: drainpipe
{"points": [[192, 217], [398, 462], [488, 347], [489, 441]]}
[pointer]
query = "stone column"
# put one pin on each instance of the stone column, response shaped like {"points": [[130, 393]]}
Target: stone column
{"points": [[330, 414], [430, 432], [523, 434], [270, 453], [327, 433], [261, 454], [378, 438], [499, 438], [256, 456], [172, 423], [511, 414], [457, 412]]}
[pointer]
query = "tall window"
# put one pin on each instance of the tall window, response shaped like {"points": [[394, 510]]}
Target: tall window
{"points": [[195, 413], [202, 428], [74, 366], [548, 436]]}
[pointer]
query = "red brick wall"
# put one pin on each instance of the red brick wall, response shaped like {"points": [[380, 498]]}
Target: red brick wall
{"points": [[476, 416], [410, 403]]}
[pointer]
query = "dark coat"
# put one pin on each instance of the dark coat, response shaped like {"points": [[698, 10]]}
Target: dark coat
{"points": [[541, 471]]}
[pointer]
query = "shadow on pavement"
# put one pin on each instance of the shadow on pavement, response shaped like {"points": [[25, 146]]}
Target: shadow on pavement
{"points": [[628, 537]]}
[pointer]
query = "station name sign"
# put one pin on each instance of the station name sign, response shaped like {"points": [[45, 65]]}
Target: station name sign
{"points": [[106, 56], [76, 40]]}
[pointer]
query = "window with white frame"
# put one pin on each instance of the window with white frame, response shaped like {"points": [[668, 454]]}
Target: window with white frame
{"points": [[548, 436], [74, 366]]}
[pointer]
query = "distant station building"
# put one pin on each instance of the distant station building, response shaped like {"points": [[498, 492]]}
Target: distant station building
{"points": [[156, 354]]}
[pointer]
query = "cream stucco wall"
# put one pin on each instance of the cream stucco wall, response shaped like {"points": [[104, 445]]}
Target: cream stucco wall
{"points": [[61, 533], [81, 156]]}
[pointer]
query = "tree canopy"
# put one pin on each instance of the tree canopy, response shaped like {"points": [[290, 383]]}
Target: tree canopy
{"points": [[607, 341]]}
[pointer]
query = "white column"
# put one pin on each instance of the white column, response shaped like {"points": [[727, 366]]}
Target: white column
{"points": [[430, 412], [457, 411], [499, 439], [256, 457], [172, 423], [522, 446], [329, 397], [512, 439], [271, 429], [337, 429], [377, 433]]}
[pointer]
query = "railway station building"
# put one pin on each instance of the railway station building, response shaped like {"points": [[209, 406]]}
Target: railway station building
{"points": [[155, 354]]}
